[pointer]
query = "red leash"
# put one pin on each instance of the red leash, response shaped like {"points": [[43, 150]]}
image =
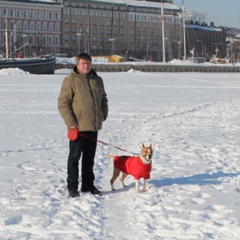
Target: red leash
{"points": [[96, 140]]}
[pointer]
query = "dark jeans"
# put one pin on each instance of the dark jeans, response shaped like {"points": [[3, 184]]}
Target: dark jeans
{"points": [[86, 148]]}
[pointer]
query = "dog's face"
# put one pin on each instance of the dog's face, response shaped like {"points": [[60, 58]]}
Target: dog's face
{"points": [[147, 152]]}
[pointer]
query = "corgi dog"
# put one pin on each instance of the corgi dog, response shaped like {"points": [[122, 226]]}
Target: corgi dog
{"points": [[137, 166]]}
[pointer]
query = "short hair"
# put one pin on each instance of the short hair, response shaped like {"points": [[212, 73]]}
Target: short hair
{"points": [[84, 56]]}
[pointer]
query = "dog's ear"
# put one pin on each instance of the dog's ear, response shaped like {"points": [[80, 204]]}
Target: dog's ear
{"points": [[151, 146], [143, 146]]}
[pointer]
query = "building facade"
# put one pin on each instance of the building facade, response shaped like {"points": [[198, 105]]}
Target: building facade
{"points": [[34, 27], [120, 27], [101, 27], [206, 41]]}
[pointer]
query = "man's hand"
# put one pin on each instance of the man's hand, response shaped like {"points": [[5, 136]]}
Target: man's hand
{"points": [[73, 127]]}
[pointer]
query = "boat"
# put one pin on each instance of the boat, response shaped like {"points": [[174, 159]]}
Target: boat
{"points": [[44, 64]]}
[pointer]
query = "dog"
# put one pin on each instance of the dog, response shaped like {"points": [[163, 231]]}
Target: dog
{"points": [[137, 166]]}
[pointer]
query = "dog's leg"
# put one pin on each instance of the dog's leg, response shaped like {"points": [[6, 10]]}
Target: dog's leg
{"points": [[122, 178], [116, 173], [144, 185], [137, 185]]}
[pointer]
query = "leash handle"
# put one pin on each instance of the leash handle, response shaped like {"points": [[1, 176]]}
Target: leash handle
{"points": [[96, 140]]}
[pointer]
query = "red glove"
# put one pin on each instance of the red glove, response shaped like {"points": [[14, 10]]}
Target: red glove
{"points": [[73, 134]]}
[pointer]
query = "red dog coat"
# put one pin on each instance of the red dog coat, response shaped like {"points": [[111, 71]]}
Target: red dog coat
{"points": [[133, 166]]}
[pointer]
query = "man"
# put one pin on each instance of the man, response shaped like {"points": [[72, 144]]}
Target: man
{"points": [[83, 105]]}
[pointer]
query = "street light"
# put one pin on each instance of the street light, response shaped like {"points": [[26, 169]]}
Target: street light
{"points": [[179, 49], [183, 15], [79, 35], [24, 36], [112, 40], [163, 32], [147, 45]]}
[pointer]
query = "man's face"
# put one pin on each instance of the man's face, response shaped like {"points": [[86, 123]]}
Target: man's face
{"points": [[84, 66]]}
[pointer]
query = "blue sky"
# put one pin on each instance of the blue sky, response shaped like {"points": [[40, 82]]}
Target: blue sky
{"points": [[221, 12]]}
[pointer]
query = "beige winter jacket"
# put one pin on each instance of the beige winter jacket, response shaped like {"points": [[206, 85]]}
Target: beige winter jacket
{"points": [[83, 101]]}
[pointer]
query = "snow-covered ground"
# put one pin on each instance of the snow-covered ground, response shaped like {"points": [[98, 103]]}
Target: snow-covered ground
{"points": [[193, 122]]}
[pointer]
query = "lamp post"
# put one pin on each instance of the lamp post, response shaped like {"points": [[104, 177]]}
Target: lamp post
{"points": [[78, 36], [163, 32], [231, 50], [179, 49], [184, 32], [24, 49], [11, 34], [147, 45], [112, 40]]}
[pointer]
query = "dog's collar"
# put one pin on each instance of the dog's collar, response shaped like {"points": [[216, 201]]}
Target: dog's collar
{"points": [[145, 160]]}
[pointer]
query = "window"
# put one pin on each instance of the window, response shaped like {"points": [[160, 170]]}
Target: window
{"points": [[25, 26], [56, 41], [11, 25], [74, 12], [66, 12], [4, 12], [45, 27], [32, 26], [57, 29], [81, 22], [44, 40], [74, 38], [19, 26], [51, 40], [38, 27], [51, 27]]}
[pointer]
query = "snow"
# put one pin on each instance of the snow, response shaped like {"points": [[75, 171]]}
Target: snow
{"points": [[192, 120]]}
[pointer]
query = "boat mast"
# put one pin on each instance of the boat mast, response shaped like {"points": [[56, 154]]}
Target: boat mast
{"points": [[163, 32], [6, 36], [184, 32]]}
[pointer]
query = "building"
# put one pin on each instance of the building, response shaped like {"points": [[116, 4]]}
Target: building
{"points": [[205, 41], [130, 28], [34, 27], [123, 27]]}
